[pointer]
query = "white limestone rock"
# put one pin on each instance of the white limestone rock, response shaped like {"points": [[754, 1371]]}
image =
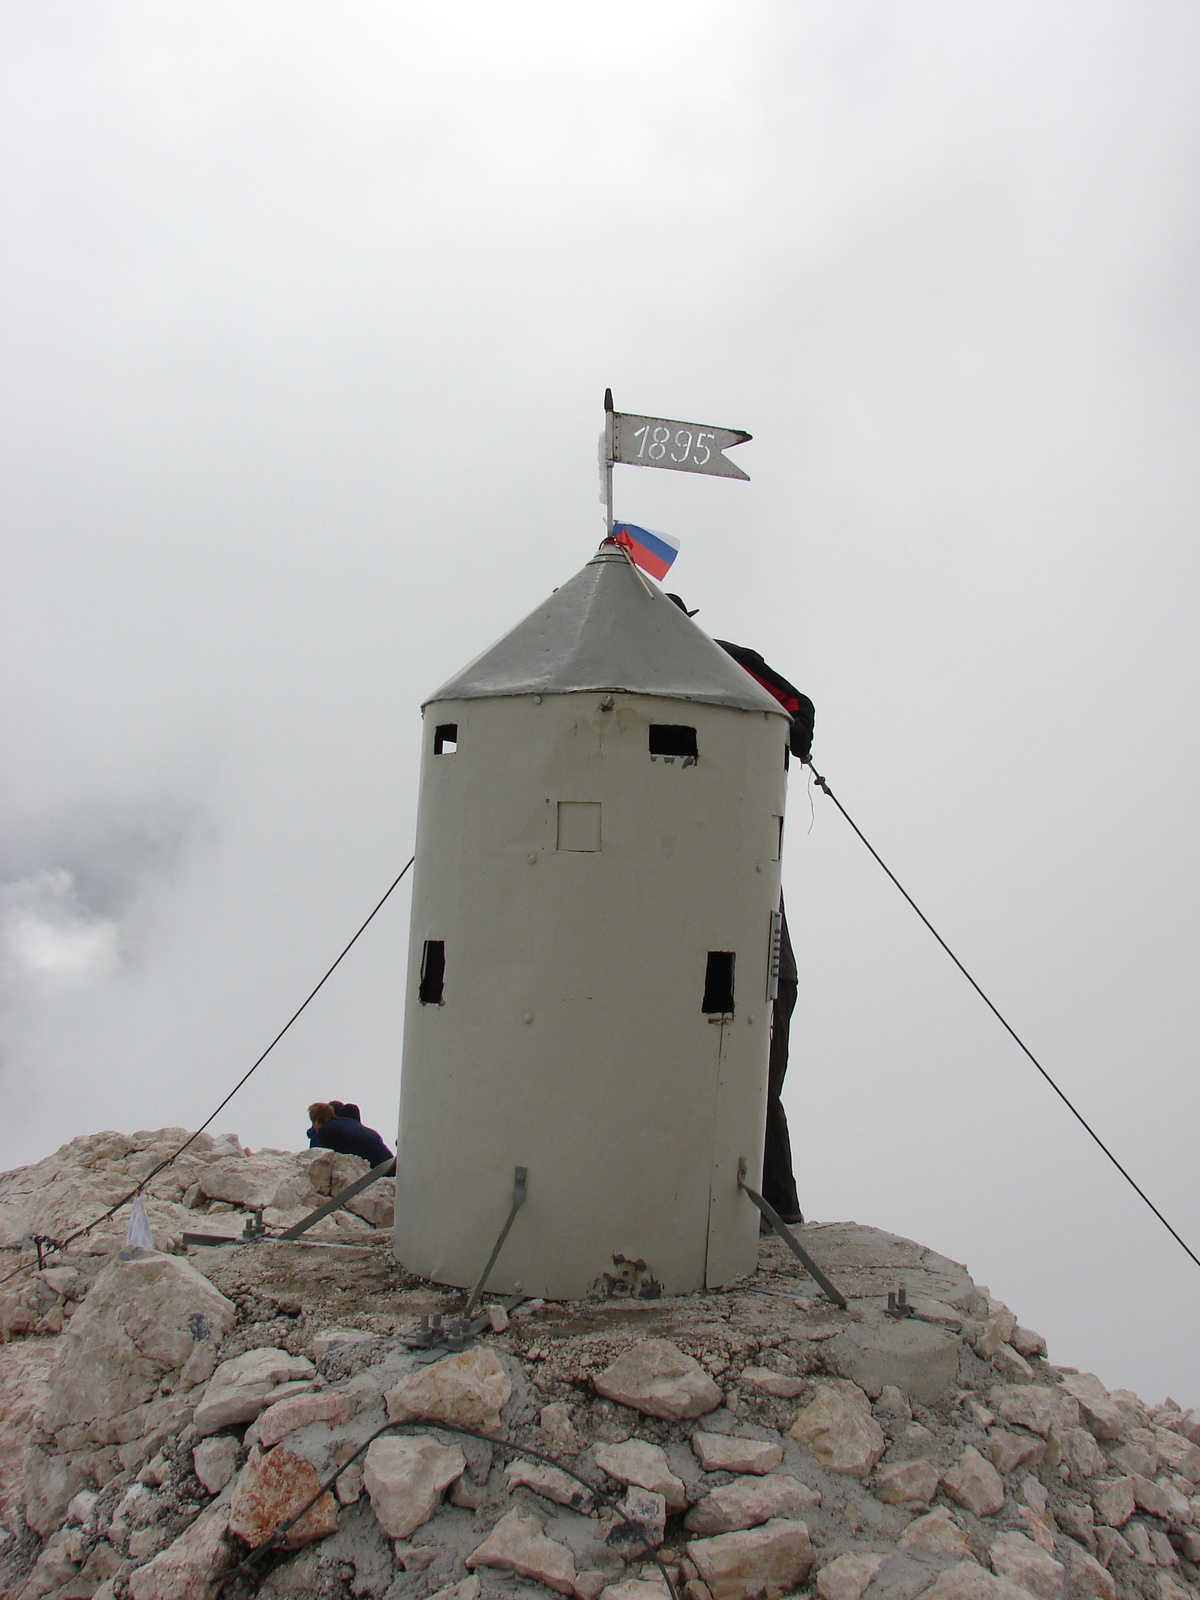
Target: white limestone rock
{"points": [[1102, 1418], [240, 1387], [1151, 1497], [638, 1462], [839, 1430], [83, 1507], [555, 1419], [780, 1384], [376, 1205], [1078, 1448], [1012, 1366], [848, 1576], [1035, 1406], [935, 1534], [906, 1483], [469, 1390], [260, 1180], [724, 1452], [1138, 1537], [406, 1478], [1114, 1501], [1087, 1577], [68, 1189], [549, 1482], [655, 1377], [1010, 1449], [639, 1524], [1139, 1454], [285, 1415], [749, 1501], [975, 1484], [1024, 1563], [139, 1324], [755, 1563], [633, 1589], [892, 1403], [24, 1371], [192, 1567], [1170, 1588], [468, 1589], [1027, 1343], [1179, 1453], [518, 1543], [970, 1582], [214, 1462]]}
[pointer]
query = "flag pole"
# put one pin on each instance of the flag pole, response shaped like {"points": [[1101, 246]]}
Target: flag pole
{"points": [[609, 447]]}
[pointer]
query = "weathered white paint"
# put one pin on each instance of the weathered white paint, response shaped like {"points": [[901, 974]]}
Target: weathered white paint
{"points": [[571, 1038]]}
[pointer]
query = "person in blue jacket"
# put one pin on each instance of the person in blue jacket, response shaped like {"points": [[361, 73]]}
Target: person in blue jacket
{"points": [[345, 1134]]}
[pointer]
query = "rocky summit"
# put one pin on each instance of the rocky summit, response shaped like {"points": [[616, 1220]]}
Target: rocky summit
{"points": [[167, 1413]]}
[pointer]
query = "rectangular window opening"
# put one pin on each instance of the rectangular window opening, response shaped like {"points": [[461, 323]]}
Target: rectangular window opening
{"points": [[673, 740], [775, 838], [718, 984], [445, 739], [433, 972]]}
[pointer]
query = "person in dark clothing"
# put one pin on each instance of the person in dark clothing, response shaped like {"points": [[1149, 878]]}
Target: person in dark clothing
{"points": [[346, 1109], [801, 708], [778, 1180], [779, 1183], [346, 1135]]}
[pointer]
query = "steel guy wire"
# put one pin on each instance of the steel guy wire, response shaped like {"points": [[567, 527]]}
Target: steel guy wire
{"points": [[106, 1216], [245, 1567], [1000, 1018]]}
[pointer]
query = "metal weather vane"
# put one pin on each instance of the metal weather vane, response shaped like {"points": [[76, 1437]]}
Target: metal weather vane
{"points": [[637, 441]]}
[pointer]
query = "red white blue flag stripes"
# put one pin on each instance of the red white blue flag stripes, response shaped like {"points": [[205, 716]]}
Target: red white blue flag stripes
{"points": [[649, 549]]}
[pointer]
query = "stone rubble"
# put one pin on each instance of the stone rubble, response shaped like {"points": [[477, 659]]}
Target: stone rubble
{"points": [[406, 1478], [272, 1488], [519, 1544], [164, 1414], [657, 1379], [975, 1484], [645, 1465], [468, 1390], [746, 1502], [723, 1453], [837, 1426], [762, 1563], [847, 1577]]}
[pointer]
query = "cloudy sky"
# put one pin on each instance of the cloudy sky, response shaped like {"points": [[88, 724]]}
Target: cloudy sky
{"points": [[307, 317]]}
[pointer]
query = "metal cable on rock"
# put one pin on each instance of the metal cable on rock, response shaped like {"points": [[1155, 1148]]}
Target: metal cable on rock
{"points": [[275, 1541], [1000, 1018], [108, 1215]]}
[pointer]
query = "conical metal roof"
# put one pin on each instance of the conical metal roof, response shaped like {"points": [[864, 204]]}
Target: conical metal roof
{"points": [[603, 631]]}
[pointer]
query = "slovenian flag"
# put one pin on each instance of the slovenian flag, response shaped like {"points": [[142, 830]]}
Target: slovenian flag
{"points": [[652, 551]]}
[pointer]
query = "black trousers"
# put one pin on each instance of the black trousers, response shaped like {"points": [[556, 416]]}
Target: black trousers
{"points": [[779, 1184]]}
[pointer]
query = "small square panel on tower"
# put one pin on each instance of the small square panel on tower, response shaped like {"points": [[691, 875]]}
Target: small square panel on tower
{"points": [[579, 825]]}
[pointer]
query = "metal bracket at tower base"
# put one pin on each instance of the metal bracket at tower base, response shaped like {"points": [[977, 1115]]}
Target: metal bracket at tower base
{"points": [[789, 1238], [255, 1231], [520, 1174], [385, 1169]]}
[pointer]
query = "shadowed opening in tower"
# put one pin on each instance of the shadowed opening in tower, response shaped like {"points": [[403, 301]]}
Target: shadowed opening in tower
{"points": [[433, 972], [672, 739], [718, 983]]}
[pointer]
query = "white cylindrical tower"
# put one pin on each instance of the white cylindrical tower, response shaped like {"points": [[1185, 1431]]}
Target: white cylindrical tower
{"points": [[598, 850]]}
